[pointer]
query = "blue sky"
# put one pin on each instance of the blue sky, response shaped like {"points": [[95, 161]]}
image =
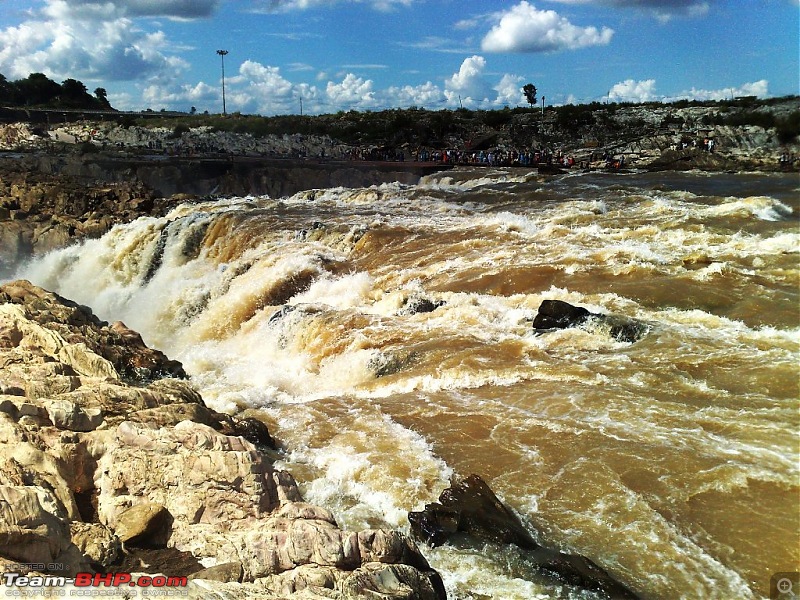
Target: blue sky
{"points": [[331, 55]]}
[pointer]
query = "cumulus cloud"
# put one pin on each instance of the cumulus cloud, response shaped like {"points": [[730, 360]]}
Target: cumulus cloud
{"points": [[88, 40], [353, 92], [524, 28], [633, 91], [199, 94], [645, 91], [509, 90], [258, 88], [427, 95], [469, 86], [755, 88]]}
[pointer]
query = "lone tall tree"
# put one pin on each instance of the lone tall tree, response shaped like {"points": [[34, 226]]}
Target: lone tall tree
{"points": [[530, 93]]}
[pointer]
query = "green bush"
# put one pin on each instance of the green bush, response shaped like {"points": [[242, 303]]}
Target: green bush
{"points": [[179, 130]]}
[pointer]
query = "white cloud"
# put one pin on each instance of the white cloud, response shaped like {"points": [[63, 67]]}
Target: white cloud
{"points": [[353, 92], [87, 40], [756, 88], [181, 98], [633, 91], [509, 90], [524, 28], [426, 95], [468, 86], [645, 91], [262, 76]]}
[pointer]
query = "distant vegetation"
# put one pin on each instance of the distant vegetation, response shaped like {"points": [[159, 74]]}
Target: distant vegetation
{"points": [[395, 127], [39, 91]]}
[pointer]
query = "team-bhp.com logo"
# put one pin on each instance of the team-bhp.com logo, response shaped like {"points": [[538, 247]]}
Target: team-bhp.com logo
{"points": [[87, 584]]}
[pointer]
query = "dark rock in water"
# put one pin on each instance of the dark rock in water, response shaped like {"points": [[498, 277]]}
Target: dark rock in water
{"points": [[389, 364], [470, 507], [557, 314], [414, 306], [255, 432], [158, 256], [623, 329], [280, 313]]}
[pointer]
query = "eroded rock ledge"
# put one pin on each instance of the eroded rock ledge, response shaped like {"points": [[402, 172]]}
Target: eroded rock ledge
{"points": [[106, 452]]}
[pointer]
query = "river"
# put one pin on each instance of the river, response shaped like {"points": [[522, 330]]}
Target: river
{"points": [[671, 461]]}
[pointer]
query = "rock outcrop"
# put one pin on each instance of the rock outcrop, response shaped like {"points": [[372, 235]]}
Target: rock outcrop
{"points": [[40, 212], [557, 314], [469, 507], [110, 460]]}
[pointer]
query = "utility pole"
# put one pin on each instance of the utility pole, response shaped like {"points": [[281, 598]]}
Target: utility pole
{"points": [[222, 54], [542, 106]]}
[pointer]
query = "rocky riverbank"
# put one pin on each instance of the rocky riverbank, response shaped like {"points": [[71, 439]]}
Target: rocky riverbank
{"points": [[50, 200], [745, 134], [111, 461], [76, 180]]}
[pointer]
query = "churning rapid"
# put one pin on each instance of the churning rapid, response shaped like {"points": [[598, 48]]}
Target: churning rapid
{"points": [[385, 334]]}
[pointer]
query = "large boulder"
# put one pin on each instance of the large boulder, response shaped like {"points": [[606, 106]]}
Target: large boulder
{"points": [[469, 507], [557, 314]]}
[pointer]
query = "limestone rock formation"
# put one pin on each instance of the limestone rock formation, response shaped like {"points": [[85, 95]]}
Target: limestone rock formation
{"points": [[105, 455]]}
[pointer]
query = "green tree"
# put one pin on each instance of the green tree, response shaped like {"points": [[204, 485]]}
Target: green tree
{"points": [[530, 93], [74, 93], [36, 90], [6, 90], [102, 97]]}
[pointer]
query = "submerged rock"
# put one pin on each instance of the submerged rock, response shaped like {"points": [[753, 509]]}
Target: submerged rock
{"points": [[557, 314], [469, 507], [414, 306], [389, 363]]}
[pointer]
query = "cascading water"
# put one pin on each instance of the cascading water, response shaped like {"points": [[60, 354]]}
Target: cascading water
{"points": [[671, 461]]}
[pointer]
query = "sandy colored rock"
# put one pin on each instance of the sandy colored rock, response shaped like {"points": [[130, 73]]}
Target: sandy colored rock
{"points": [[96, 542], [144, 524], [99, 464]]}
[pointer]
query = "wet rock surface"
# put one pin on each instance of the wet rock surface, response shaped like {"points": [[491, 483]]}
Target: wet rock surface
{"points": [[470, 508], [102, 469], [557, 314]]}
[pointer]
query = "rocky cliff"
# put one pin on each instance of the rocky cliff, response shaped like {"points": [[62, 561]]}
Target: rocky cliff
{"points": [[49, 200], [110, 461]]}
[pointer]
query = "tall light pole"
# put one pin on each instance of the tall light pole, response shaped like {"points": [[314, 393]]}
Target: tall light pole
{"points": [[222, 54]]}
